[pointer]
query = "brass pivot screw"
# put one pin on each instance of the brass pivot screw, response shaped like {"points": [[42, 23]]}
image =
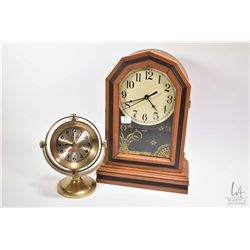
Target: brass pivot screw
{"points": [[42, 144], [104, 144], [73, 117]]}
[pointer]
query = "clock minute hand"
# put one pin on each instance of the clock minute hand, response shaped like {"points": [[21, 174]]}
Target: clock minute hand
{"points": [[153, 106], [133, 100], [147, 98], [141, 99]]}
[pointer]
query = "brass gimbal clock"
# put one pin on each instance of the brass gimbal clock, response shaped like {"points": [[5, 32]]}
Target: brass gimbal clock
{"points": [[73, 147]]}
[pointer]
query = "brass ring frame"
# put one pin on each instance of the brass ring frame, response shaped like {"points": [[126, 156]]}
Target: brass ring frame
{"points": [[86, 166]]}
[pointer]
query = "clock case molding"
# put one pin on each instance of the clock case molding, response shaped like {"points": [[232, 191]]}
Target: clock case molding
{"points": [[144, 171]]}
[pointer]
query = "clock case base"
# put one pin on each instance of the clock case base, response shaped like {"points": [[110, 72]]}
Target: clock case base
{"points": [[176, 182]]}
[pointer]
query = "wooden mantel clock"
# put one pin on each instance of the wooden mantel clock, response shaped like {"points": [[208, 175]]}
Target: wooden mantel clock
{"points": [[147, 103]]}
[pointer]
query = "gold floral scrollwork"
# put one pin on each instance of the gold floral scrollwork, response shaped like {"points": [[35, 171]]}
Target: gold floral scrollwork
{"points": [[126, 141], [163, 151], [123, 127]]}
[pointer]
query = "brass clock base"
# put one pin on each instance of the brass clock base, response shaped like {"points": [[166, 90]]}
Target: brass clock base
{"points": [[76, 186]]}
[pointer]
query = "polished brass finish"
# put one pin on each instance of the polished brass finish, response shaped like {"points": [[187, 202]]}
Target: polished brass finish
{"points": [[76, 187], [77, 145], [73, 117], [42, 144], [104, 144], [73, 146]]}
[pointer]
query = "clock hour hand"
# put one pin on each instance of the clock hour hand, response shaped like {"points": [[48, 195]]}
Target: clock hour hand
{"points": [[146, 96], [64, 141]]}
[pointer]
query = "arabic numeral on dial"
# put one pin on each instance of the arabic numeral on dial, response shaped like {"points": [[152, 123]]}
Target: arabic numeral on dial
{"points": [[138, 77], [144, 117], [156, 116], [167, 87], [130, 84], [135, 113], [74, 158], [124, 94], [170, 99], [165, 109], [126, 106], [149, 75], [159, 79]]}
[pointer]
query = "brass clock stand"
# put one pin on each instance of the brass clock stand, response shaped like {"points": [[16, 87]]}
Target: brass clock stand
{"points": [[76, 186], [73, 147]]}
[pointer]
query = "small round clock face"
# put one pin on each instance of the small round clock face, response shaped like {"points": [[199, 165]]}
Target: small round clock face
{"points": [[147, 96], [74, 144]]}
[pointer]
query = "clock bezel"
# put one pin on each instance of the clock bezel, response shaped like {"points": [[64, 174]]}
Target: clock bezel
{"points": [[75, 166], [128, 158]]}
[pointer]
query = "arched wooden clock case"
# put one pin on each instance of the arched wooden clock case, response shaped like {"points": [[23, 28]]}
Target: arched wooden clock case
{"points": [[145, 170]]}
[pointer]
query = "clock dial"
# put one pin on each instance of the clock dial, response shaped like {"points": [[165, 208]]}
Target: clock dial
{"points": [[147, 96], [74, 144]]}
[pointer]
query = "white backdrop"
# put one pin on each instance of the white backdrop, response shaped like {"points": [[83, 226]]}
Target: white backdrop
{"points": [[43, 82]]}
